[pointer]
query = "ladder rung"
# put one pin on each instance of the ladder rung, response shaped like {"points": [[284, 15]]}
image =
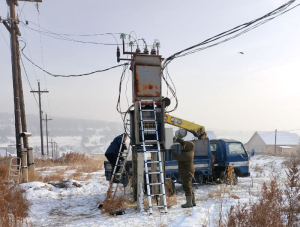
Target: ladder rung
{"points": [[150, 162], [148, 110], [146, 100], [155, 183], [151, 141], [161, 206], [14, 175], [15, 165], [152, 151], [156, 194], [150, 130], [149, 120], [154, 172]]}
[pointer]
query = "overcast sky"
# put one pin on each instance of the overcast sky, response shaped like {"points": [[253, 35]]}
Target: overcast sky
{"points": [[218, 87]]}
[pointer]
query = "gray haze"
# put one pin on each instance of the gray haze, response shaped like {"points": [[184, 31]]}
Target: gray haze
{"points": [[218, 87]]}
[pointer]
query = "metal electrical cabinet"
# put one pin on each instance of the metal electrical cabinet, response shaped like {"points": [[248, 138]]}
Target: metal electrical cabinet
{"points": [[146, 81]]}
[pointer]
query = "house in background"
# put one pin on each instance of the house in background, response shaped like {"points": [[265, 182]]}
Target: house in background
{"points": [[264, 142]]}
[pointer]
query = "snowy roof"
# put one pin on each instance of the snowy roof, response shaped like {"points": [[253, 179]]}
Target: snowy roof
{"points": [[285, 147], [282, 138]]}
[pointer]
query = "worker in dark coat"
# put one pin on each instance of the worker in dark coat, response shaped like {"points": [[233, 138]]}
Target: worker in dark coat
{"points": [[186, 169], [113, 150]]}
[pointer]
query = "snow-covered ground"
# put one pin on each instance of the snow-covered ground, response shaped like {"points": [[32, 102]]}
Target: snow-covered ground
{"points": [[77, 206]]}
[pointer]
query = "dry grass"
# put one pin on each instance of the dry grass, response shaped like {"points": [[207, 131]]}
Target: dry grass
{"points": [[76, 176], [258, 168], [110, 204], [277, 207], [266, 212], [14, 206], [171, 201], [43, 162], [80, 162], [71, 161]]}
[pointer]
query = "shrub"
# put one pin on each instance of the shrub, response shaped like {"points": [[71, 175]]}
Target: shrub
{"points": [[14, 206]]}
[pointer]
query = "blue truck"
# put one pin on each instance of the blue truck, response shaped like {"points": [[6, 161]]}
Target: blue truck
{"points": [[218, 160]]}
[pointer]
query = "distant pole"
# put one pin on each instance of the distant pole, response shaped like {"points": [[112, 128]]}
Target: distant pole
{"points": [[41, 115], [275, 140], [52, 142], [47, 133]]}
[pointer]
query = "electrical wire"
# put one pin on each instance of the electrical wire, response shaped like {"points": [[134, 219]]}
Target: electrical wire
{"points": [[4, 39], [78, 75], [63, 36], [29, 82], [28, 45], [42, 52], [242, 29]]}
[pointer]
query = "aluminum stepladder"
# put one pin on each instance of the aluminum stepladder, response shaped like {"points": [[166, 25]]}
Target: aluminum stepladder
{"points": [[157, 151], [14, 170], [117, 176]]}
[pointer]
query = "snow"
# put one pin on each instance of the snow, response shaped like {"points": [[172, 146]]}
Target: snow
{"points": [[77, 206], [282, 138]]}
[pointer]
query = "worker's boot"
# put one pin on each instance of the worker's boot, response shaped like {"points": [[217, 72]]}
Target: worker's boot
{"points": [[188, 202], [193, 200]]}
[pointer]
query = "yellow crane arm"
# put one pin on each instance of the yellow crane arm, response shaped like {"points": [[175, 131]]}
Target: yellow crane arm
{"points": [[195, 129]]}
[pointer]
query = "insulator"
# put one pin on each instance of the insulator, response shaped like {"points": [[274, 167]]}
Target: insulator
{"points": [[146, 51], [153, 51]]}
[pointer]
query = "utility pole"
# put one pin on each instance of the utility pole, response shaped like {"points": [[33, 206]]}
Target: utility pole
{"points": [[56, 153], [52, 142], [275, 139], [47, 133], [19, 107], [41, 115], [14, 31]]}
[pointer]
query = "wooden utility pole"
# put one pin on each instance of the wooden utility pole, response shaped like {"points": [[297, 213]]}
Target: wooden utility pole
{"points": [[19, 107], [52, 142], [41, 116], [56, 153], [13, 30], [47, 133]]}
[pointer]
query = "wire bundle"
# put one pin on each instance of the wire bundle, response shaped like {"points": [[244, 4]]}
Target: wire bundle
{"points": [[240, 30]]}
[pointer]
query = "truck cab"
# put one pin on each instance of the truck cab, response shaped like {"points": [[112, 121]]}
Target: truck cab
{"points": [[229, 153]]}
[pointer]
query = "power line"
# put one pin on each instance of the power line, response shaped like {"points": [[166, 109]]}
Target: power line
{"points": [[242, 29], [42, 52], [78, 75], [62, 36], [28, 44], [29, 82], [4, 39]]}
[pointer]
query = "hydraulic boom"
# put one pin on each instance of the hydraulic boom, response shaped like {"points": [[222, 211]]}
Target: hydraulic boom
{"points": [[197, 130]]}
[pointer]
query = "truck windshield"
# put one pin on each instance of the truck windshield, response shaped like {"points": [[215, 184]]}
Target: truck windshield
{"points": [[236, 148]]}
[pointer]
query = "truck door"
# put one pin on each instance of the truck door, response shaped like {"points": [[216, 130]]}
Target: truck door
{"points": [[238, 158], [218, 151]]}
